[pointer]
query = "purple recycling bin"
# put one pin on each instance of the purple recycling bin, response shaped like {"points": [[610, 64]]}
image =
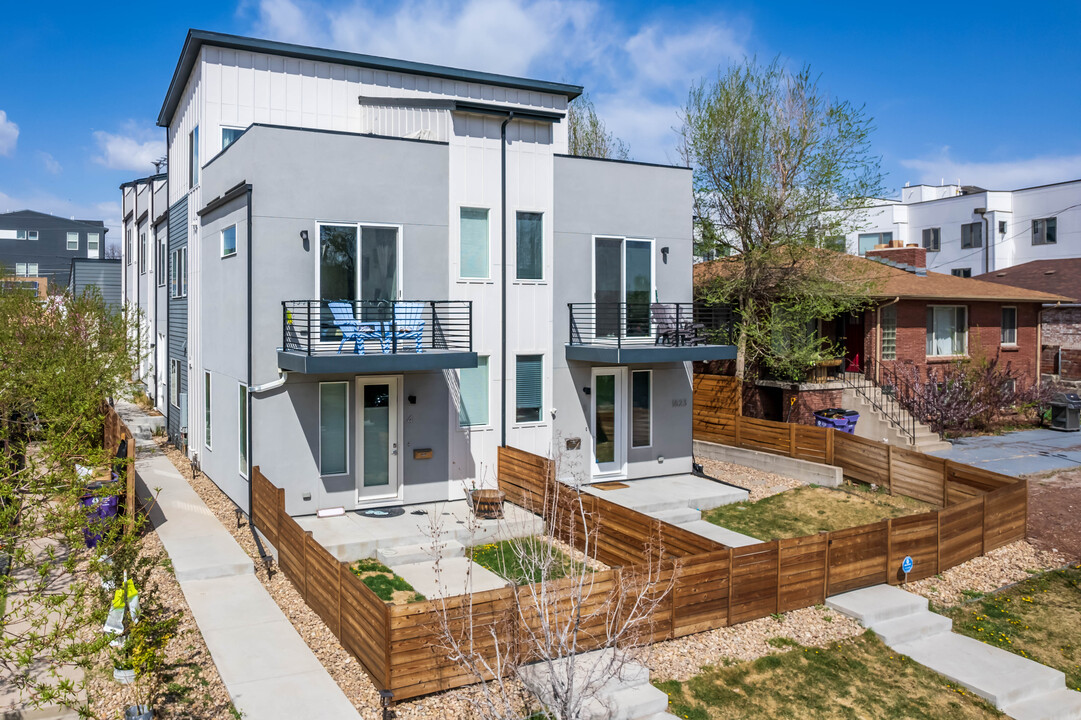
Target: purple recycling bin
{"points": [[100, 510]]}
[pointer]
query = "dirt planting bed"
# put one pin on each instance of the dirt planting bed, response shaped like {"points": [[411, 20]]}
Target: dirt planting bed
{"points": [[1054, 503]]}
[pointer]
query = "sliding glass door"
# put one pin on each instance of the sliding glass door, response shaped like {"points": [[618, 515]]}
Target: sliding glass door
{"points": [[622, 286], [358, 262]]}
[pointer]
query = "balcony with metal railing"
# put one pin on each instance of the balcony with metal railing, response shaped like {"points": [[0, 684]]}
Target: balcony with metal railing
{"points": [[365, 336], [650, 332]]}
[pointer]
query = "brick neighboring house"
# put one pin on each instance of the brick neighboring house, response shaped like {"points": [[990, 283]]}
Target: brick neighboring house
{"points": [[920, 318], [1060, 323]]}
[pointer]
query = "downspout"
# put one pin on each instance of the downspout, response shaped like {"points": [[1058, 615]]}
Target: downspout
{"points": [[878, 339], [982, 212], [503, 284]]}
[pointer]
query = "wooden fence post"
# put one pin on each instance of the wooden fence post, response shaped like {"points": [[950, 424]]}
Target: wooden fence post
{"points": [[938, 542], [731, 585], [889, 467], [341, 569], [889, 549], [829, 446], [1026, 508], [777, 603], [388, 632], [791, 440], [945, 483], [736, 432], [983, 524], [826, 570]]}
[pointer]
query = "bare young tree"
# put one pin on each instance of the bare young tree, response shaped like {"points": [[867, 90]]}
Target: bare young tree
{"points": [[588, 136], [565, 630]]}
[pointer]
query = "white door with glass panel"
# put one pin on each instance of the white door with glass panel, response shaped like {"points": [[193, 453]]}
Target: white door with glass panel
{"points": [[607, 418], [378, 438]]}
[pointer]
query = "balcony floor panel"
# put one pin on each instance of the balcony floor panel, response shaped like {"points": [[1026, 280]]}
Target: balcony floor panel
{"points": [[348, 362], [649, 353]]}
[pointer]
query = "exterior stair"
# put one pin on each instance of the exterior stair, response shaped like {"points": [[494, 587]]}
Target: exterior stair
{"points": [[874, 424]]}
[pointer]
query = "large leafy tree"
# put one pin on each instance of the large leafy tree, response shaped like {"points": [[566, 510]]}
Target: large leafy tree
{"points": [[588, 136], [781, 171]]}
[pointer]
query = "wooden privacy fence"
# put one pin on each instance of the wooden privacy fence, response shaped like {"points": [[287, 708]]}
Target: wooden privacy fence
{"points": [[719, 394], [904, 472], [114, 432], [711, 585]]}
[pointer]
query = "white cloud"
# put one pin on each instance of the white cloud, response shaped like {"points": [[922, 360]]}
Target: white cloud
{"points": [[994, 175], [9, 134], [133, 148], [52, 165], [638, 76]]}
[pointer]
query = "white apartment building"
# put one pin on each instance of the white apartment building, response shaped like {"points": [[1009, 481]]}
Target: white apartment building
{"points": [[968, 231]]}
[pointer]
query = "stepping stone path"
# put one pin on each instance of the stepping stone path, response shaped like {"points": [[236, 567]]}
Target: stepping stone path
{"points": [[1019, 687]]}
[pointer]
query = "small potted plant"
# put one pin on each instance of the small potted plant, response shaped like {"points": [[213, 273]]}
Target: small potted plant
{"points": [[486, 503]]}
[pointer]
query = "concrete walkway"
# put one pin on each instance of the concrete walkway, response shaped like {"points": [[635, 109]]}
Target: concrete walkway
{"points": [[1019, 453], [266, 666], [1017, 686], [679, 500]]}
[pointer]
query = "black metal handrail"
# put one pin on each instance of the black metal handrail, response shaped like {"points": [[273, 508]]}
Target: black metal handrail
{"points": [[333, 327], [885, 398], [666, 324]]}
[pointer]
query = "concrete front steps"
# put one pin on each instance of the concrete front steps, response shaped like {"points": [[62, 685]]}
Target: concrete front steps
{"points": [[874, 425], [1017, 686], [622, 693], [142, 426]]}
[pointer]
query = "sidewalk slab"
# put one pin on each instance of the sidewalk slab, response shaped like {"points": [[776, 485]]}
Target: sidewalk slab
{"points": [[198, 546], [671, 492], [457, 574], [731, 538]]}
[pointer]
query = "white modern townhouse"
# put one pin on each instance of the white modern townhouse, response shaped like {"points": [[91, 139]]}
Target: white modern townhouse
{"points": [[369, 274], [969, 231]]}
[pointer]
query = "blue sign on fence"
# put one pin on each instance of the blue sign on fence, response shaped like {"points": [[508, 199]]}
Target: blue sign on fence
{"points": [[906, 564]]}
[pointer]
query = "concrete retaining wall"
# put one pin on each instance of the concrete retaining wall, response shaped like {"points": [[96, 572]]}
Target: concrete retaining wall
{"points": [[802, 470]]}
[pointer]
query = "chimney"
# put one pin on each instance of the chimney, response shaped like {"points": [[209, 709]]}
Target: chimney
{"points": [[912, 255]]}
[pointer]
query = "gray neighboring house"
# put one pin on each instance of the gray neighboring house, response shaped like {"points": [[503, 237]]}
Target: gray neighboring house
{"points": [[381, 271], [36, 244], [104, 274]]}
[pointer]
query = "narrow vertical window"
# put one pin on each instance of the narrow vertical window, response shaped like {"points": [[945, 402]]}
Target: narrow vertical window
{"points": [[93, 245], [163, 258], [473, 388], [889, 332], [206, 409], [143, 251], [1009, 326], [193, 157], [641, 408], [530, 246], [242, 434], [473, 255], [127, 246], [333, 428], [228, 241], [174, 383], [529, 383]]}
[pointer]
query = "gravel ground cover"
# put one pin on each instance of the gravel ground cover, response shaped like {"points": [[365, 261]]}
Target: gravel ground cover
{"points": [[1003, 566], [759, 483], [194, 689]]}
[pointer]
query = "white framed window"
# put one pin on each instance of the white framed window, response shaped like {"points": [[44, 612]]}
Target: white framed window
{"points": [[888, 318], [228, 135], [932, 239], [178, 275], [32, 269], [528, 388], [228, 241], [20, 270], [143, 250], [26, 234], [242, 429], [473, 263], [947, 330], [174, 383], [333, 428], [473, 391], [971, 235], [73, 241], [93, 245], [961, 272], [193, 157], [641, 408], [1045, 231], [1009, 325], [206, 410], [529, 248], [127, 246], [163, 257]]}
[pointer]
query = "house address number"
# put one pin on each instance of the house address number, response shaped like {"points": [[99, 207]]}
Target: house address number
{"points": [[679, 402]]}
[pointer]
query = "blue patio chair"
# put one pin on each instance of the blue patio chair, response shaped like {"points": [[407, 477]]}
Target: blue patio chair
{"points": [[353, 329], [407, 324]]}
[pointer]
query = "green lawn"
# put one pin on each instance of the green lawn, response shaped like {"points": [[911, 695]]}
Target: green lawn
{"points": [[522, 561], [384, 583], [809, 510], [1039, 618], [856, 678]]}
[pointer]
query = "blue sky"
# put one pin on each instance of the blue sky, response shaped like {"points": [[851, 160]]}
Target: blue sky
{"points": [[977, 92]]}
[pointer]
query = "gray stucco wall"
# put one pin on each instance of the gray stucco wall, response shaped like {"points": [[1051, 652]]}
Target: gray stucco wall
{"points": [[300, 177], [594, 197]]}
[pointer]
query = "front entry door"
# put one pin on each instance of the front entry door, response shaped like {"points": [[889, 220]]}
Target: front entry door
{"points": [[607, 420], [378, 438]]}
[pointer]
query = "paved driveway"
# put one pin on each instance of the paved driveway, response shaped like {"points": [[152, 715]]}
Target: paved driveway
{"points": [[1019, 453]]}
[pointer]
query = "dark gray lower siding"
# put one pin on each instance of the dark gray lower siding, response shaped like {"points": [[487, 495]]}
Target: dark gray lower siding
{"points": [[178, 318]]}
